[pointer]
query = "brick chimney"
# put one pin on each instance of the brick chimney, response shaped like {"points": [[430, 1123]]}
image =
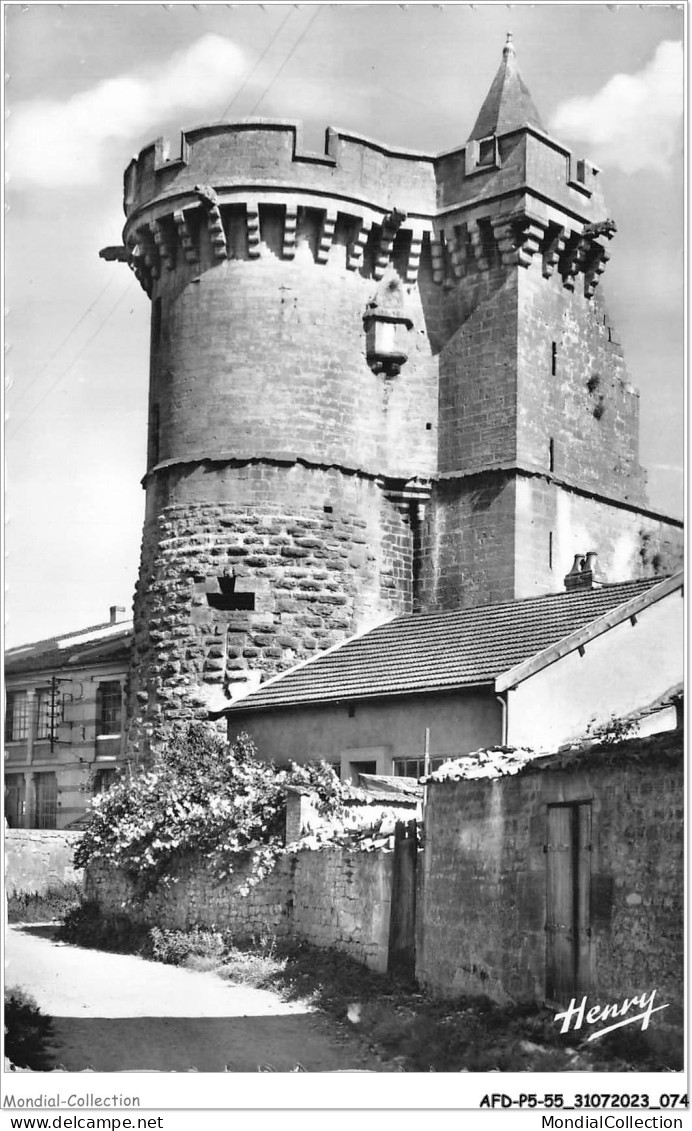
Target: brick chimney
{"points": [[583, 573], [117, 614]]}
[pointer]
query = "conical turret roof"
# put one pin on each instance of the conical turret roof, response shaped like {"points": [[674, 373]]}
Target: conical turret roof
{"points": [[508, 104]]}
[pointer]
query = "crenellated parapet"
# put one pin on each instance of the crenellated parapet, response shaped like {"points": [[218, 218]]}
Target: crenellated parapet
{"points": [[270, 154], [210, 198]]}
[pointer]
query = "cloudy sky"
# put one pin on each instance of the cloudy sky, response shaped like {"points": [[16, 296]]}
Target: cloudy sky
{"points": [[90, 84]]}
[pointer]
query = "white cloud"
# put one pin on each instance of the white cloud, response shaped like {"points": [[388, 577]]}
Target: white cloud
{"points": [[62, 143], [634, 121]]}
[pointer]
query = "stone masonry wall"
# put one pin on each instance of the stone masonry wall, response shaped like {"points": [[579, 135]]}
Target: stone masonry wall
{"points": [[275, 524], [484, 853], [469, 539], [478, 374], [271, 153], [525, 158], [39, 860], [308, 557], [498, 536], [582, 420], [554, 523], [330, 897], [267, 356]]}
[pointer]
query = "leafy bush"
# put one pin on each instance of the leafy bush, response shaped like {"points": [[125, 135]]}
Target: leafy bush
{"points": [[247, 968], [200, 796], [177, 947], [27, 1031], [86, 926]]}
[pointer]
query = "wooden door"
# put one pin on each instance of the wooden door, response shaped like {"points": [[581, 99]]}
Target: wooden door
{"points": [[568, 891], [402, 922]]}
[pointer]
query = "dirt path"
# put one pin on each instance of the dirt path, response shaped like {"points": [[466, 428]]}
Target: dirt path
{"points": [[117, 1013]]}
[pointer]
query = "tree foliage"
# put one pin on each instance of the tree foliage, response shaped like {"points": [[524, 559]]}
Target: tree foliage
{"points": [[204, 796]]}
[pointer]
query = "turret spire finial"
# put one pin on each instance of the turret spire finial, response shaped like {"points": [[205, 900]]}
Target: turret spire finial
{"points": [[508, 104]]}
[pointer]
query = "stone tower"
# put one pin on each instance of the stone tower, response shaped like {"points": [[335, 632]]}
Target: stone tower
{"points": [[381, 380]]}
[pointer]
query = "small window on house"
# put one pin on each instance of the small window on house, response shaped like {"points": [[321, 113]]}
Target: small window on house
{"points": [[16, 716], [357, 768], [46, 813], [109, 707], [481, 154], [43, 713], [486, 151], [553, 358], [551, 454], [48, 713], [103, 780], [415, 767]]}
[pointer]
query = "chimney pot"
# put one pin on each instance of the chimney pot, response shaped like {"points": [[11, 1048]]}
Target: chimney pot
{"points": [[590, 561], [577, 564], [582, 573]]}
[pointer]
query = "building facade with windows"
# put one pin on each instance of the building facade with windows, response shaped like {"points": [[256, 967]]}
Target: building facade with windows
{"points": [[64, 722]]}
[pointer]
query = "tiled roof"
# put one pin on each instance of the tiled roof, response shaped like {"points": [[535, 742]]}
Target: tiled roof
{"points": [[99, 642], [49, 643], [439, 650]]}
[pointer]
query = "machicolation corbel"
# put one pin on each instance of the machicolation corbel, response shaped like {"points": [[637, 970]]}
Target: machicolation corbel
{"points": [[391, 223], [210, 204]]}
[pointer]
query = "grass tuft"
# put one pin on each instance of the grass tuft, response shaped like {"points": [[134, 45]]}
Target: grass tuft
{"points": [[45, 907]]}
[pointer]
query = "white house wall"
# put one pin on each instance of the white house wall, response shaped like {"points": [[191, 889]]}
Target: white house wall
{"points": [[378, 730], [622, 670]]}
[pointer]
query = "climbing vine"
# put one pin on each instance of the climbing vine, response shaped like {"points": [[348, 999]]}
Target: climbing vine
{"points": [[201, 795]]}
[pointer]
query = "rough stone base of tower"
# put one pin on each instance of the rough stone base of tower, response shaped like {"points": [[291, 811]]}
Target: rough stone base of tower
{"points": [[288, 562]]}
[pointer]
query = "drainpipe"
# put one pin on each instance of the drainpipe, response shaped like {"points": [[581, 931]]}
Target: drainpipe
{"points": [[502, 700]]}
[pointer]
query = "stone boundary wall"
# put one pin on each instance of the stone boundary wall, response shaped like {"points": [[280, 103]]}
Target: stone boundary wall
{"points": [[330, 897], [484, 891], [40, 860]]}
